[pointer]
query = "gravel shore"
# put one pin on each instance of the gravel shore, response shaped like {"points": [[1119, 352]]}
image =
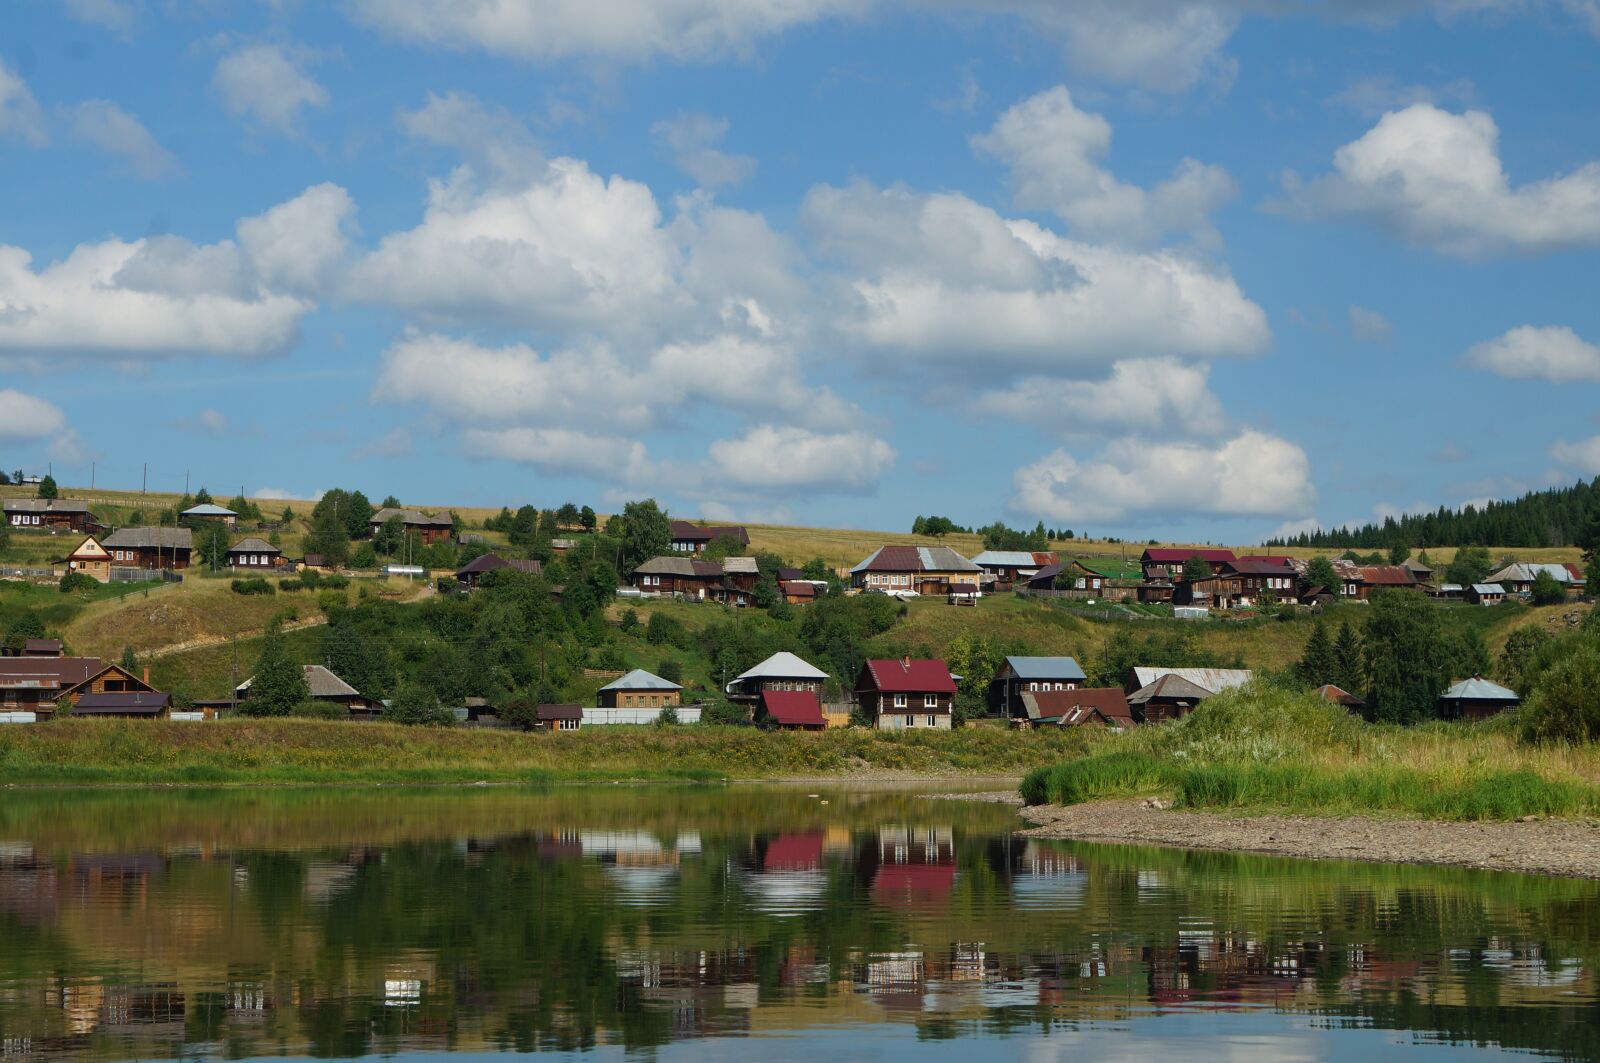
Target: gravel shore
{"points": [[1542, 847]]}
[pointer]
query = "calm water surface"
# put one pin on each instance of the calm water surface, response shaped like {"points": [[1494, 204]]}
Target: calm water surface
{"points": [[741, 924]]}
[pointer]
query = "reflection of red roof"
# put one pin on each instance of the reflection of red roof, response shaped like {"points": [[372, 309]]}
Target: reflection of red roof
{"points": [[793, 708], [793, 852], [911, 677], [913, 881]]}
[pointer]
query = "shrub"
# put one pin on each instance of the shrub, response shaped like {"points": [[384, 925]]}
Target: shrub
{"points": [[328, 601], [311, 577], [253, 585], [1563, 706], [78, 581], [671, 670], [290, 585], [313, 709], [415, 705], [330, 583], [668, 717]]}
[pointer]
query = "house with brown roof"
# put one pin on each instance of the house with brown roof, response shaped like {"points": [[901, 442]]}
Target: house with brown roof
{"points": [[37, 684], [906, 694], [150, 548], [329, 688], [558, 717], [800, 592], [1165, 564], [90, 559], [1383, 577], [1171, 697], [1340, 696], [684, 577], [127, 705], [469, 574], [426, 526], [1007, 568], [690, 538], [254, 553], [1241, 583], [1084, 707], [914, 570], [50, 514]]}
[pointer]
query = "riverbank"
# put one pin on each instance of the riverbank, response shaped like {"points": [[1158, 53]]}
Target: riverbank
{"points": [[1545, 847], [84, 752]]}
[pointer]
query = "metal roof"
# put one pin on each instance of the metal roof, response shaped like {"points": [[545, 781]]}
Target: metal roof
{"points": [[1046, 668], [411, 516], [666, 566], [149, 539], [45, 505], [1527, 573], [1261, 566], [1169, 686], [1488, 588], [783, 665], [321, 682], [745, 565], [639, 679], [253, 546], [1479, 689], [1212, 680], [911, 677], [1110, 702], [1178, 555], [915, 559], [491, 562], [206, 509], [797, 708], [1007, 559], [122, 701], [559, 712], [1388, 576]]}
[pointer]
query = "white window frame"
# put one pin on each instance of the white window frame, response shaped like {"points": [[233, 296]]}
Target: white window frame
{"points": [[899, 701], [933, 721], [911, 721], [930, 701]]}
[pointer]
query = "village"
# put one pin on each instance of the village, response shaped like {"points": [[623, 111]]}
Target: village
{"points": [[683, 563]]}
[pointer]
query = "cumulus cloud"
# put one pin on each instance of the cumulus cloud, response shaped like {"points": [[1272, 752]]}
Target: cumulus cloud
{"points": [[106, 126], [1054, 149], [1435, 178], [492, 138], [1156, 45], [941, 277], [1252, 474], [163, 296], [1151, 395], [24, 416], [1369, 326], [771, 458], [20, 114], [692, 138], [629, 29], [265, 84], [562, 451], [1375, 94], [1583, 455], [113, 15], [1553, 352]]}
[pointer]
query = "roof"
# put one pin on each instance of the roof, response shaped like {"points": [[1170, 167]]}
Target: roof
{"points": [[670, 566], [122, 702], [790, 573], [321, 682], [1449, 588], [1488, 588], [799, 588], [1110, 567], [1169, 686], [1046, 668], [42, 646], [1479, 689], [411, 516], [745, 565], [685, 532], [51, 672], [1388, 576], [1048, 572], [1575, 573], [1261, 566], [493, 562], [1527, 573], [1178, 555], [314, 560], [1010, 559], [794, 852], [783, 665], [559, 712], [253, 546], [149, 539], [45, 505], [1339, 696], [1073, 707], [206, 509], [911, 677], [1415, 567], [797, 708], [639, 679], [1211, 680], [915, 559]]}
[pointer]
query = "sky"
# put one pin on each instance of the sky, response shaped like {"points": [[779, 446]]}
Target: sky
{"points": [[1203, 271]]}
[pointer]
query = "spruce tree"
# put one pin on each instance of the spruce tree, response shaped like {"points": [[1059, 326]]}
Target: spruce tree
{"points": [[279, 683], [1348, 664], [1319, 664], [47, 487]]}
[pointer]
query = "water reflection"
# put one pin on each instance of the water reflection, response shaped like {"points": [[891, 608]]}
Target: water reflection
{"points": [[168, 926]]}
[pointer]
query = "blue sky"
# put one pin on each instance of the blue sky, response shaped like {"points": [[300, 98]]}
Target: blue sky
{"points": [[1197, 270]]}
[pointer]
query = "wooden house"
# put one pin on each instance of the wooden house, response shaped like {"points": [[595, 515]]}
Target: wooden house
{"points": [[740, 574], [1212, 680], [680, 577], [427, 527], [1007, 568], [37, 684], [90, 559], [42, 648], [693, 539], [1030, 675], [1170, 697], [782, 673], [206, 513], [254, 553], [1422, 573], [51, 515], [1383, 577], [327, 687], [1485, 594], [1518, 579], [150, 548], [800, 592], [558, 717], [1476, 699], [1103, 578], [469, 574], [906, 694], [1165, 564], [640, 690], [129, 705], [1340, 696], [1083, 707], [913, 570], [1241, 583]]}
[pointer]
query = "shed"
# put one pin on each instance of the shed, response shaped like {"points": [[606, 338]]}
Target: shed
{"points": [[1476, 699], [1170, 697], [1340, 696], [1485, 594], [559, 717]]}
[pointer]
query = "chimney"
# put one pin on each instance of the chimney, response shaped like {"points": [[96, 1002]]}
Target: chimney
{"points": [[905, 662], [147, 675]]}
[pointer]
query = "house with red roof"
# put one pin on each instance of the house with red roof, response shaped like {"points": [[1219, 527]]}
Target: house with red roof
{"points": [[906, 694], [693, 539], [790, 710], [1165, 564], [903, 570]]}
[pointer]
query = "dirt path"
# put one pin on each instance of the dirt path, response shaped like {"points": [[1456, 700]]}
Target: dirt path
{"points": [[1542, 847], [222, 640]]}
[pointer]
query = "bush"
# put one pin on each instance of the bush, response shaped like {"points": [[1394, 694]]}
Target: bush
{"points": [[312, 709], [310, 577], [290, 585], [1563, 706], [417, 706], [328, 601], [253, 585], [78, 581], [329, 583], [668, 717], [724, 712], [1122, 774], [671, 670]]}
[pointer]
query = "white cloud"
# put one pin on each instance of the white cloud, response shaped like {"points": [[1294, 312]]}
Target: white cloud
{"points": [[1156, 396], [1252, 474], [1369, 326], [1554, 353], [1054, 149], [114, 131], [1157, 45], [211, 422], [491, 137], [20, 115], [623, 29], [263, 83], [693, 138], [1583, 455], [1435, 178], [24, 416], [164, 296], [562, 451], [769, 458], [948, 280], [1376, 94], [113, 15], [278, 494]]}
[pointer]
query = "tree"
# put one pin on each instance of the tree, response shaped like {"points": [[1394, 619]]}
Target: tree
{"points": [[390, 502], [4, 477], [671, 670], [329, 536], [391, 537], [568, 515], [587, 517], [1318, 664], [211, 546], [129, 662], [660, 629], [286, 518], [5, 534], [1562, 706], [549, 524], [47, 487], [646, 532], [203, 497], [1546, 591], [1321, 573], [417, 706], [1196, 567], [1410, 658], [723, 546], [1469, 566], [919, 526], [25, 625], [668, 717], [1522, 650], [364, 559], [524, 526], [1349, 664], [1399, 553], [279, 684], [362, 663]]}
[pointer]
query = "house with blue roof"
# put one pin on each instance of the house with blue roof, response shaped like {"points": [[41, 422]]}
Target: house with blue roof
{"points": [[1031, 675]]}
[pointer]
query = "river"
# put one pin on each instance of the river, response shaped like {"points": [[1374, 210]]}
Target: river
{"points": [[748, 923]]}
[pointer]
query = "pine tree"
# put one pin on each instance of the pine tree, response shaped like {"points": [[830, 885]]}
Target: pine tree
{"points": [[279, 684], [47, 487], [1319, 664], [1348, 665]]}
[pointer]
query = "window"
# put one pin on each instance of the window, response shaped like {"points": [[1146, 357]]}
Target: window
{"points": [[899, 701], [930, 701], [1060, 687], [1033, 687], [933, 721], [911, 721]]}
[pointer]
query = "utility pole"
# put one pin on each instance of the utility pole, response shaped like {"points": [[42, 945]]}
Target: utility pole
{"points": [[91, 475], [186, 482], [233, 688]]}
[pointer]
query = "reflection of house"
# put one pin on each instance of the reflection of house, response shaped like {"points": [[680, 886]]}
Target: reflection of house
{"points": [[791, 880], [1476, 699], [1021, 674], [915, 864]]}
